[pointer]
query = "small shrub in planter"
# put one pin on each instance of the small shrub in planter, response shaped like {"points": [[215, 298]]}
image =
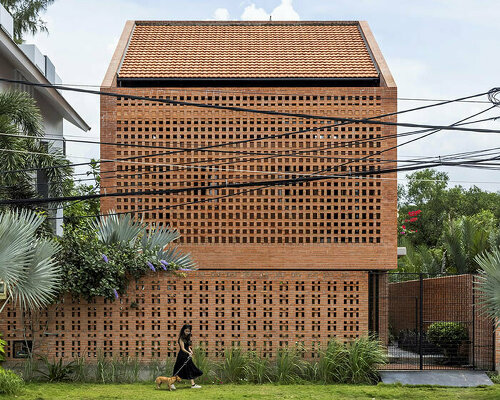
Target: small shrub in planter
{"points": [[448, 336], [10, 383]]}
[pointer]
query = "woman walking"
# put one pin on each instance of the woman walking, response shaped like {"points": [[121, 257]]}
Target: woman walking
{"points": [[184, 366]]}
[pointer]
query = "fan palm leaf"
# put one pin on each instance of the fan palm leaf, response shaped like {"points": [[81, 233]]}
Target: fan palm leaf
{"points": [[159, 237], [488, 283], [40, 283], [17, 230], [174, 256], [118, 229]]}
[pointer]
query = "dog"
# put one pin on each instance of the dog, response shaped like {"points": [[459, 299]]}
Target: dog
{"points": [[169, 381]]}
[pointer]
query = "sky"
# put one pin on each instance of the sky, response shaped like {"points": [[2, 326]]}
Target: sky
{"points": [[439, 49]]}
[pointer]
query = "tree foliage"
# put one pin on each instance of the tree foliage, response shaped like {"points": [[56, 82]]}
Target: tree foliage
{"points": [[19, 117], [454, 225], [26, 15]]}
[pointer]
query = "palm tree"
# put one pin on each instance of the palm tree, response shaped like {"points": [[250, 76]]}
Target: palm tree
{"points": [[463, 241], [488, 284], [27, 264], [157, 240], [22, 149]]}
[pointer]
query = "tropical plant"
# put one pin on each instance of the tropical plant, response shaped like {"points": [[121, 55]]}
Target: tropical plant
{"points": [[101, 260], [464, 240], [365, 355], [26, 15], [124, 231], [27, 263], [23, 151], [10, 383], [333, 363], [488, 283], [56, 371], [232, 369], [257, 369], [420, 259], [288, 366], [3, 343], [448, 336]]}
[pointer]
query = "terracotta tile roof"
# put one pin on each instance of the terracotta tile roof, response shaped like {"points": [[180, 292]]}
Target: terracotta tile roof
{"points": [[247, 50]]}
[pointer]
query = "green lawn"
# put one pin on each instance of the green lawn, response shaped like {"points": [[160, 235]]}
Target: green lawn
{"points": [[139, 391]]}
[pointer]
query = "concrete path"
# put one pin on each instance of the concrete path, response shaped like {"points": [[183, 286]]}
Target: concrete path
{"points": [[461, 378]]}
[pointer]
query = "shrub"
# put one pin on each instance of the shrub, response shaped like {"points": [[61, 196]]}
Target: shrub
{"points": [[333, 362], [257, 368], [289, 366], [448, 336], [353, 362], [56, 371], [10, 383], [232, 369], [365, 354]]}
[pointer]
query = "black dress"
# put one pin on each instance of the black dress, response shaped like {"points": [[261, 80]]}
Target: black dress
{"points": [[188, 371]]}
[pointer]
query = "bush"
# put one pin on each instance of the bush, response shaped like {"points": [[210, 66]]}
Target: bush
{"points": [[232, 369], [56, 371], [353, 362], [10, 383], [257, 368], [448, 336]]}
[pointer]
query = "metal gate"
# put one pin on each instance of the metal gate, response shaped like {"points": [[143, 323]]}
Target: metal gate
{"points": [[430, 322]]}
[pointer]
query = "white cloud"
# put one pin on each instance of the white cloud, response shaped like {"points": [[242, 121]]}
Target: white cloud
{"points": [[283, 12], [252, 13], [221, 14]]}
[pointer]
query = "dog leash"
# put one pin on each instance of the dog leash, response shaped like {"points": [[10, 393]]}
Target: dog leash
{"points": [[183, 365]]}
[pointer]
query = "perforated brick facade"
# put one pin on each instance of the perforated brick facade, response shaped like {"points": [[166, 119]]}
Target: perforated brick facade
{"points": [[292, 261], [259, 311]]}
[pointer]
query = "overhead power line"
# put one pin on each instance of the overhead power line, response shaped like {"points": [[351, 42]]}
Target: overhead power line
{"points": [[265, 112]]}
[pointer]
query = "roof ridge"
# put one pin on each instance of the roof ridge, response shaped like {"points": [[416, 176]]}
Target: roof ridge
{"points": [[243, 23]]}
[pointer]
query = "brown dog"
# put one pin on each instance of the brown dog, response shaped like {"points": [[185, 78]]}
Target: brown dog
{"points": [[169, 381]]}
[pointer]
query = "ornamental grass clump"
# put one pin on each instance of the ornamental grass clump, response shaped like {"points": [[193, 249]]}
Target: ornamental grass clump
{"points": [[288, 366], [365, 355], [232, 368], [257, 368]]}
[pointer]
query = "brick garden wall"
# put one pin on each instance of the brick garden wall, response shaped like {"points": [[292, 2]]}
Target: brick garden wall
{"points": [[447, 298], [260, 311]]}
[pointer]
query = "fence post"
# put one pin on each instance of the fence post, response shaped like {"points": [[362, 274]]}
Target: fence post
{"points": [[421, 322]]}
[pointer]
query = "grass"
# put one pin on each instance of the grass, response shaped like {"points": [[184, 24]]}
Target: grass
{"points": [[54, 391]]}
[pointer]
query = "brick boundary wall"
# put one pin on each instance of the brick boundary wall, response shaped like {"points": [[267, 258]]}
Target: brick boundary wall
{"points": [[253, 310], [448, 298]]}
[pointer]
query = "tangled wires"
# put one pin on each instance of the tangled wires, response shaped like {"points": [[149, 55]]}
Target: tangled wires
{"points": [[494, 96]]}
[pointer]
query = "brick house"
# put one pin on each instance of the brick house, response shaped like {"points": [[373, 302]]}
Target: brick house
{"points": [[279, 264]]}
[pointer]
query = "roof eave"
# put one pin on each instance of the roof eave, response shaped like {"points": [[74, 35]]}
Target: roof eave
{"points": [[12, 51]]}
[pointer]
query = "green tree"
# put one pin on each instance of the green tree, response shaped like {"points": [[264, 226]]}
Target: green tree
{"points": [[26, 15], [426, 190], [463, 240], [420, 259], [27, 263], [22, 149]]}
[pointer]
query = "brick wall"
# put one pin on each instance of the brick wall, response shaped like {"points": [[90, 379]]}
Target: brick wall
{"points": [[260, 311], [450, 299]]}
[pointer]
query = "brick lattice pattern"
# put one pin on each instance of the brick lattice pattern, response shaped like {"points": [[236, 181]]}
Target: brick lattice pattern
{"points": [[259, 311], [334, 223]]}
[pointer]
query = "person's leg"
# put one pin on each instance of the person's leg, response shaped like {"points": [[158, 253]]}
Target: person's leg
{"points": [[192, 382]]}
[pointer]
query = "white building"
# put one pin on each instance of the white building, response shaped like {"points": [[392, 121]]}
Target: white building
{"points": [[26, 62]]}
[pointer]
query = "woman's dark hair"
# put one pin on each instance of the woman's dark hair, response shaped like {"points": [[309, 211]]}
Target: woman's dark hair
{"points": [[182, 334]]}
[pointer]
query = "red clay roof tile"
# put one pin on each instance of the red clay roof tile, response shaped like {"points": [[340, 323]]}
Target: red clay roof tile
{"points": [[199, 50]]}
